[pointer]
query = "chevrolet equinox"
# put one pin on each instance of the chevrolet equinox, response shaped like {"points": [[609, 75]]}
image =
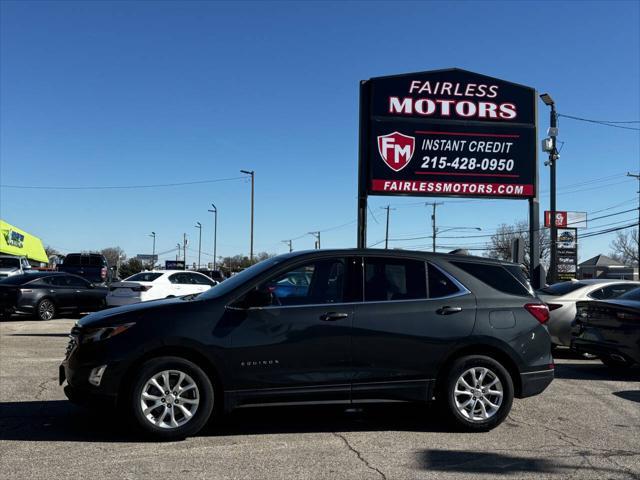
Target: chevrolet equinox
{"points": [[318, 327]]}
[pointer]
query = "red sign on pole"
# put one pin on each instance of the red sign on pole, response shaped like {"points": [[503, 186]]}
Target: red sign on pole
{"points": [[561, 219]]}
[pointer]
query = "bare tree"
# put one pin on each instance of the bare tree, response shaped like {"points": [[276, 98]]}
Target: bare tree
{"points": [[501, 241], [624, 247], [112, 254]]}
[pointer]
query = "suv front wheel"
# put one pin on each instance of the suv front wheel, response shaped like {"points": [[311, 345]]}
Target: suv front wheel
{"points": [[171, 398], [478, 392]]}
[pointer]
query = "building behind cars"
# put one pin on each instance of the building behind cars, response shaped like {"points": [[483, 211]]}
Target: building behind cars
{"points": [[20, 249], [602, 266]]}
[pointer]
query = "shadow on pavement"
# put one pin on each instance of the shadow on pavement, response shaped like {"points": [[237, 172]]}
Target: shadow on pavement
{"points": [[463, 461], [595, 371], [62, 421], [632, 395]]}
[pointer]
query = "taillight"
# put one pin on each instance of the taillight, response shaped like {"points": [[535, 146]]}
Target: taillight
{"points": [[554, 306], [628, 316], [103, 273], [142, 288], [538, 310]]}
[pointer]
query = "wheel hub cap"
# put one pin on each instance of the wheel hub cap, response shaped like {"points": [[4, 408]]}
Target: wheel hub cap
{"points": [[478, 394], [169, 399]]}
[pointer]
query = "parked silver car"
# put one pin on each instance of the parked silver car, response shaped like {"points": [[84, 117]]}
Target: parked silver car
{"points": [[561, 299]]}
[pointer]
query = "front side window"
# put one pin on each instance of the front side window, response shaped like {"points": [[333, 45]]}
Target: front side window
{"points": [[388, 279], [314, 283], [76, 282]]}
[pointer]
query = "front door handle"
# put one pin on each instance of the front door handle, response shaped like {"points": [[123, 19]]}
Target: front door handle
{"points": [[333, 316], [448, 310]]}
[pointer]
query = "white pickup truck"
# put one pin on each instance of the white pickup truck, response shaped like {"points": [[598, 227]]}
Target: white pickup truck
{"points": [[11, 265]]}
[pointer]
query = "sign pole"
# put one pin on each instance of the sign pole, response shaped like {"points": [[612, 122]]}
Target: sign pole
{"points": [[363, 172]]}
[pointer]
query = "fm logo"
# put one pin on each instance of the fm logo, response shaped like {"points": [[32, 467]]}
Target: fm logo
{"points": [[396, 150]]}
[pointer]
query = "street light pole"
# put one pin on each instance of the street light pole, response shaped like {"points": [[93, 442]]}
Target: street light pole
{"points": [[153, 252], [253, 177], [178, 254], [215, 234], [637, 176], [553, 156], [184, 249], [199, 227]]}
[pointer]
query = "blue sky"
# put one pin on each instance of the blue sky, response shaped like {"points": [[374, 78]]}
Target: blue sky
{"points": [[134, 93]]}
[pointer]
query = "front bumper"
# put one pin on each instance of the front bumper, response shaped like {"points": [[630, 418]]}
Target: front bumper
{"points": [[533, 383]]}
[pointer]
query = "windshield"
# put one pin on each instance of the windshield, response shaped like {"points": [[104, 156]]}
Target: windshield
{"points": [[9, 263], [632, 295], [562, 288], [241, 278]]}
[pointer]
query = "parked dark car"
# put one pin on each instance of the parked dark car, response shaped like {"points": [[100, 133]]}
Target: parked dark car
{"points": [[47, 294], [609, 329], [216, 275], [371, 326], [91, 266]]}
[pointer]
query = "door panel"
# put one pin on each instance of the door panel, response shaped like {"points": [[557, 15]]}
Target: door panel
{"points": [[405, 340], [293, 334]]}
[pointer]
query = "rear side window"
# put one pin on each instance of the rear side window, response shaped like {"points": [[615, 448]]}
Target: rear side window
{"points": [[394, 279], [496, 276], [439, 284], [144, 277], [632, 295], [612, 291], [562, 288]]}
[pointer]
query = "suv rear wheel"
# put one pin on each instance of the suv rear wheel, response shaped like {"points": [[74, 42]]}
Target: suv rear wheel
{"points": [[478, 392], [171, 398]]}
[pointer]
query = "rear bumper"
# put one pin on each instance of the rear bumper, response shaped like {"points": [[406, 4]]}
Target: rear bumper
{"points": [[114, 301], [533, 383], [604, 342]]}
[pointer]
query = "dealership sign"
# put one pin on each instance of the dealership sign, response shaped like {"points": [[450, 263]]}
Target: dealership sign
{"points": [[448, 133], [566, 219]]}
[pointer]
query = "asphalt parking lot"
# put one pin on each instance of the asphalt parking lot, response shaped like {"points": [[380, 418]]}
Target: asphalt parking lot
{"points": [[586, 425]]}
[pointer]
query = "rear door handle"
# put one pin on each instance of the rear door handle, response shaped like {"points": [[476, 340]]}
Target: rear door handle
{"points": [[333, 316], [448, 310]]}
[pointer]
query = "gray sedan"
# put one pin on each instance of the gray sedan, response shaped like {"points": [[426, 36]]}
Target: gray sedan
{"points": [[562, 297]]}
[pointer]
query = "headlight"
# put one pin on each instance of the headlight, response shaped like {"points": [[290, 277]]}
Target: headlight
{"points": [[98, 334]]}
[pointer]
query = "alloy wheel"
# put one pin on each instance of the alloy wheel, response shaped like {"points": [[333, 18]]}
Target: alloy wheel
{"points": [[46, 310], [478, 394], [169, 399]]}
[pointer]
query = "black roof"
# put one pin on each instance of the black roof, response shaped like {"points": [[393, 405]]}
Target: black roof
{"points": [[397, 253], [601, 261]]}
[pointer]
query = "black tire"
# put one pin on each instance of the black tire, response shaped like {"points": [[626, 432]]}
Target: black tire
{"points": [[205, 395], [458, 368], [615, 363], [45, 309]]}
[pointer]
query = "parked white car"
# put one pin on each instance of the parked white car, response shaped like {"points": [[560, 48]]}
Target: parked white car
{"points": [[157, 284], [561, 299]]}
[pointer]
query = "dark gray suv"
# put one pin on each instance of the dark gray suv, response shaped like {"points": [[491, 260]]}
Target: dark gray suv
{"points": [[324, 326]]}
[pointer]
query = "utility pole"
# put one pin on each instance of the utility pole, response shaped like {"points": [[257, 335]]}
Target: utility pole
{"points": [[637, 177], [178, 254], [551, 147], [184, 249], [317, 236], [289, 243], [253, 177], [153, 252], [215, 234], [386, 235], [199, 227], [433, 222]]}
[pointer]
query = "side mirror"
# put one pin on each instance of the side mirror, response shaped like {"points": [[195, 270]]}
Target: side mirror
{"points": [[256, 298]]}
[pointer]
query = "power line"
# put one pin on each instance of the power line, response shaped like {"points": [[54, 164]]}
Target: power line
{"points": [[120, 187], [601, 122]]}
